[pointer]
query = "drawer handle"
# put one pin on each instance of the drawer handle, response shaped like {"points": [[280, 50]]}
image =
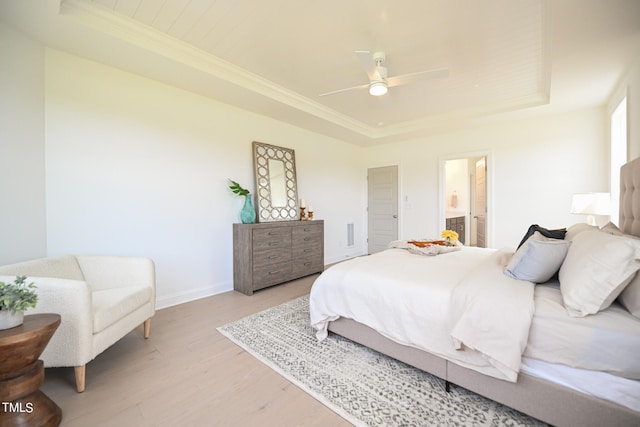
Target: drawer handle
{"points": [[307, 264], [273, 273], [306, 239], [274, 243], [274, 257]]}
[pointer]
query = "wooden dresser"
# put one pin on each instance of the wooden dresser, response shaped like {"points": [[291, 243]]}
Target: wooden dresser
{"points": [[270, 253]]}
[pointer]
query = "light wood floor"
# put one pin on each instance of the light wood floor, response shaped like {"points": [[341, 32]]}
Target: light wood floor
{"points": [[188, 374]]}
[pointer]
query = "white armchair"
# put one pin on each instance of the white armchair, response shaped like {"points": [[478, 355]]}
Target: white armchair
{"points": [[100, 299]]}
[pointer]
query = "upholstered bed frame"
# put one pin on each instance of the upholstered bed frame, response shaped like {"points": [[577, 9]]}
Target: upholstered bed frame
{"points": [[546, 401]]}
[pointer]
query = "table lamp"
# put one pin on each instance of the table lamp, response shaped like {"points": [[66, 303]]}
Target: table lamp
{"points": [[591, 204]]}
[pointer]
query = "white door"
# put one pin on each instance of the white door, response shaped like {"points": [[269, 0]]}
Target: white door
{"points": [[383, 207], [481, 203]]}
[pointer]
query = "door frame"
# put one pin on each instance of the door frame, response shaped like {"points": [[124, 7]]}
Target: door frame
{"points": [[442, 184]]}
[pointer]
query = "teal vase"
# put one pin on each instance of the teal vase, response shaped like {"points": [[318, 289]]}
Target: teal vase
{"points": [[248, 213]]}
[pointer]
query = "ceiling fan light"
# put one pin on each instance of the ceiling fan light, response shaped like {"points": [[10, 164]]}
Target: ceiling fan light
{"points": [[378, 88]]}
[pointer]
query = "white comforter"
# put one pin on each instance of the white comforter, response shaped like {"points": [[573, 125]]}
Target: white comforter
{"points": [[457, 305]]}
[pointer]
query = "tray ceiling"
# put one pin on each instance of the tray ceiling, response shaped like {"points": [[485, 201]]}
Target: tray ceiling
{"points": [[276, 57]]}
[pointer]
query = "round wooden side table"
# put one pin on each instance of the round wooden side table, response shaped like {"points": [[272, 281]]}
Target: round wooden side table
{"points": [[21, 373]]}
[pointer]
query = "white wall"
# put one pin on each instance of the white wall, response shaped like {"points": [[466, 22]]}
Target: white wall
{"points": [[136, 167], [629, 85], [535, 167], [22, 182], [633, 109], [457, 180]]}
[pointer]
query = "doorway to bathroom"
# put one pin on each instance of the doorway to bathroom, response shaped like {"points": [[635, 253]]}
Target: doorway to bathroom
{"points": [[464, 198]]}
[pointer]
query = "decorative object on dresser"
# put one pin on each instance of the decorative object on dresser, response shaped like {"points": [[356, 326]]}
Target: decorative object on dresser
{"points": [[276, 186], [248, 212], [276, 252], [305, 214], [303, 207]]}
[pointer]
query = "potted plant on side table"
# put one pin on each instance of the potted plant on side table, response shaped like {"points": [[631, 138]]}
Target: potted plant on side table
{"points": [[15, 299]]}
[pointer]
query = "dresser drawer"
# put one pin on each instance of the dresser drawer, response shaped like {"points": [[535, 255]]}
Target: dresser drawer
{"points": [[306, 265], [306, 249], [271, 256], [271, 238], [306, 234], [271, 274]]}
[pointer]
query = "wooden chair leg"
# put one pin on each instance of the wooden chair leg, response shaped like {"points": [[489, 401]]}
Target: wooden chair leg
{"points": [[79, 371], [147, 328]]}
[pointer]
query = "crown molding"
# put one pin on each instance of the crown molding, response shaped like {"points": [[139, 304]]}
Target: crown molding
{"points": [[98, 18]]}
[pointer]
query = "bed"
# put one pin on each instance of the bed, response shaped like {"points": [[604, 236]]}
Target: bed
{"points": [[552, 330]]}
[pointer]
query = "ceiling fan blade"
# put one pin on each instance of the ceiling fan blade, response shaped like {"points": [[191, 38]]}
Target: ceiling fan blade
{"points": [[404, 79], [344, 90]]}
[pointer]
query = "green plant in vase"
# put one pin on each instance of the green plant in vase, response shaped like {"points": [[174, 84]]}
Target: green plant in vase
{"points": [[248, 213], [15, 299]]}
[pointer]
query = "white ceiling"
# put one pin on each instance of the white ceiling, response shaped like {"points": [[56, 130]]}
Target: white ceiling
{"points": [[507, 57]]}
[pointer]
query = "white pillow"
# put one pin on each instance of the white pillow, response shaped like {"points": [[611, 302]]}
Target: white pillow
{"points": [[630, 296], [578, 228], [596, 270], [538, 259]]}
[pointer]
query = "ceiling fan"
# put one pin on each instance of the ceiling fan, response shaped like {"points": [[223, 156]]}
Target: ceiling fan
{"points": [[379, 82]]}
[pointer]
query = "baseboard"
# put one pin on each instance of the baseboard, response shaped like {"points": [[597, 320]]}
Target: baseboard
{"points": [[194, 294], [177, 298]]}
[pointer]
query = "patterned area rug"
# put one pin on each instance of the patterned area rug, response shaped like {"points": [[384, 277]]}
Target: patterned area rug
{"points": [[363, 386]]}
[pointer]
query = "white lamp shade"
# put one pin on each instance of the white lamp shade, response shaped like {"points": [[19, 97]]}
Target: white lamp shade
{"points": [[591, 204]]}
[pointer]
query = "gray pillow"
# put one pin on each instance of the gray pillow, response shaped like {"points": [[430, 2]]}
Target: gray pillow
{"points": [[538, 259]]}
